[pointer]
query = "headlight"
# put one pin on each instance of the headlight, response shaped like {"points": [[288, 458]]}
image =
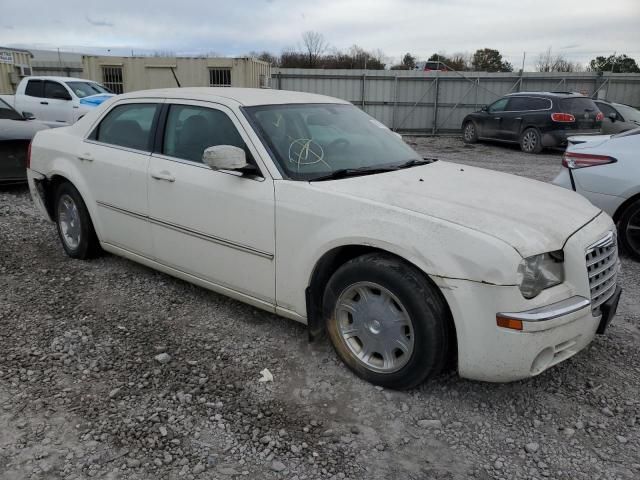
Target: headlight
{"points": [[539, 272]]}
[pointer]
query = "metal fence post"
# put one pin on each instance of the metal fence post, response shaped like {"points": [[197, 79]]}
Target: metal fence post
{"points": [[395, 103], [364, 91], [435, 106]]}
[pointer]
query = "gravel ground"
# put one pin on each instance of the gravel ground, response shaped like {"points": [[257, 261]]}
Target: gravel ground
{"points": [[111, 370]]}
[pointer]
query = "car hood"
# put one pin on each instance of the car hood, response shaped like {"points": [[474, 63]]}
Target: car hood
{"points": [[95, 100], [20, 129], [531, 216]]}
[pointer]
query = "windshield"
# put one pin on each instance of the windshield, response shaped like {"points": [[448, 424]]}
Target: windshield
{"points": [[86, 89], [8, 113], [630, 114], [310, 141]]}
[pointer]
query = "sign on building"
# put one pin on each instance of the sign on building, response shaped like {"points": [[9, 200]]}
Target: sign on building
{"points": [[6, 57]]}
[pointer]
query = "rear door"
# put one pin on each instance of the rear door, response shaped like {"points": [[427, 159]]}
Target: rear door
{"points": [[523, 112], [584, 110], [32, 100], [114, 160]]}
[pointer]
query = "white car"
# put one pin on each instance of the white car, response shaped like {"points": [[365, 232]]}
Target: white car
{"points": [[606, 170], [307, 207], [57, 101]]}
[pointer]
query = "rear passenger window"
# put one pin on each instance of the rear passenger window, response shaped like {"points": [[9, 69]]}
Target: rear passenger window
{"points": [[55, 90], [190, 130], [127, 126], [522, 104], [606, 109], [34, 88]]}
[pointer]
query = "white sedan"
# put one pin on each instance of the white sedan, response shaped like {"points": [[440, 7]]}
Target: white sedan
{"points": [[307, 207], [605, 169]]}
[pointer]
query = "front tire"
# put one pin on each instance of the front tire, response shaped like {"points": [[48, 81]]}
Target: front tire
{"points": [[386, 321], [75, 228], [469, 132], [531, 141], [629, 230]]}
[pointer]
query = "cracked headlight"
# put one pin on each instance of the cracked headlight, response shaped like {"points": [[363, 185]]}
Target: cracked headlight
{"points": [[539, 272]]}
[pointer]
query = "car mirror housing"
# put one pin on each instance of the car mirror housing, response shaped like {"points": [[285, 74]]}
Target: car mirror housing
{"points": [[613, 117], [28, 116], [485, 108], [225, 157]]}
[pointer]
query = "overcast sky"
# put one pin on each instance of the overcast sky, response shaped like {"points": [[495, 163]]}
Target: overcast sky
{"points": [[579, 29]]}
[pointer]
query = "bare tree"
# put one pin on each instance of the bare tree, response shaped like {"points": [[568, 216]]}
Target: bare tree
{"points": [[314, 46], [548, 62]]}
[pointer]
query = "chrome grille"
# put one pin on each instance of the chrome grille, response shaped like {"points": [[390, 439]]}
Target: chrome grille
{"points": [[602, 267]]}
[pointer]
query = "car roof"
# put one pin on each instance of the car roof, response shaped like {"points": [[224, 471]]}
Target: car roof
{"points": [[548, 94], [59, 79], [242, 96]]}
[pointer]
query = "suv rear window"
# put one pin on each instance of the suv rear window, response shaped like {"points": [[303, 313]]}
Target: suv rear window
{"points": [[578, 105]]}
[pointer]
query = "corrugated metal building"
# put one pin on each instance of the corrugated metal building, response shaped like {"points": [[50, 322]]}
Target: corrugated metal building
{"points": [[127, 74], [14, 64]]}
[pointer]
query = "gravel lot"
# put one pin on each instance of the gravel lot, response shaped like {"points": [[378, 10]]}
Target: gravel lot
{"points": [[111, 370]]}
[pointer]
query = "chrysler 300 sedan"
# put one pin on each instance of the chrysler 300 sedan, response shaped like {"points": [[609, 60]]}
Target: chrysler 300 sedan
{"points": [[305, 206]]}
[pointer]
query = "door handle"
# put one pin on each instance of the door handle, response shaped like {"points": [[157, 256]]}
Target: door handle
{"points": [[518, 118], [164, 175], [85, 157], [498, 118], [44, 103]]}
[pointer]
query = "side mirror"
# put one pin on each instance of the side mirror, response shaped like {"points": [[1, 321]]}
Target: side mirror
{"points": [[225, 157], [485, 108], [613, 116], [28, 116]]}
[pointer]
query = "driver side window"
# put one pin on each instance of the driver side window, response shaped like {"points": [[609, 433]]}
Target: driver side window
{"points": [[190, 130], [498, 106]]}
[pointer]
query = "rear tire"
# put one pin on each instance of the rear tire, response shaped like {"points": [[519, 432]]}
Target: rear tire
{"points": [[469, 132], [386, 321], [75, 228], [531, 141], [629, 230]]}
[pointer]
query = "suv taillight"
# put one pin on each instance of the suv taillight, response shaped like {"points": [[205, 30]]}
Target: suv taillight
{"points": [[581, 160], [563, 117], [599, 116], [29, 155]]}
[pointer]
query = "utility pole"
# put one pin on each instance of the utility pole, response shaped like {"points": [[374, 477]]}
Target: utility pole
{"points": [[524, 56], [613, 61]]}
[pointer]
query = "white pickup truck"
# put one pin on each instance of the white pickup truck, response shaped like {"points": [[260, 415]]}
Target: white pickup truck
{"points": [[57, 101]]}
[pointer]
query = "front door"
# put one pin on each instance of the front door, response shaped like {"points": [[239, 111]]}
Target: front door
{"points": [[215, 225], [493, 122], [114, 160]]}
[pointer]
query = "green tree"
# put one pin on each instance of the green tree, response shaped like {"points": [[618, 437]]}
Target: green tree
{"points": [[620, 63], [409, 61], [490, 60]]}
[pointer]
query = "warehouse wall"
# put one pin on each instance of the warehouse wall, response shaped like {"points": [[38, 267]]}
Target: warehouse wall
{"points": [[430, 102], [9, 71], [141, 73]]}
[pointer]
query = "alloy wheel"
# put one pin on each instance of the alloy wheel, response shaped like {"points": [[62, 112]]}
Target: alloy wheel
{"points": [[529, 141], [632, 232], [469, 132]]}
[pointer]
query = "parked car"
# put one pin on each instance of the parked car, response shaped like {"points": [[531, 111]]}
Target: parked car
{"points": [[16, 133], [305, 206], [605, 169], [535, 120], [57, 101], [618, 118]]}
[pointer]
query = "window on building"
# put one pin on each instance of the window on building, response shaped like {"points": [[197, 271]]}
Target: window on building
{"points": [[112, 79], [219, 77]]}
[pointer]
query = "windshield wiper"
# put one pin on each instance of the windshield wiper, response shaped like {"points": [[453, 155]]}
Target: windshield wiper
{"points": [[414, 162], [352, 172]]}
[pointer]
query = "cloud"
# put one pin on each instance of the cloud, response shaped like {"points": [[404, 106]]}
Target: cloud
{"points": [[99, 23]]}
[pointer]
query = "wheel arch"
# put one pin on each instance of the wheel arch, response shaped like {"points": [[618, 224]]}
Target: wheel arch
{"points": [[626, 204], [329, 263]]}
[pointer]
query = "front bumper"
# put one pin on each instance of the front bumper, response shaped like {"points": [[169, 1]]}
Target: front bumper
{"points": [[556, 325]]}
